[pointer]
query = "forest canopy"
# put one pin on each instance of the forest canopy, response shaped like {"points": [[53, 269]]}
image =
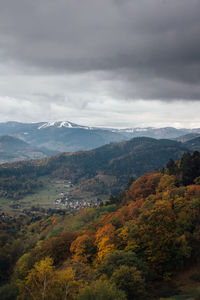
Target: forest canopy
{"points": [[122, 250]]}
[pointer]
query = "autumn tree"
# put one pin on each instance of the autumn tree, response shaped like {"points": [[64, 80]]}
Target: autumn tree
{"points": [[156, 237], [64, 284], [37, 285], [115, 260], [105, 238], [144, 186], [83, 248], [58, 247]]}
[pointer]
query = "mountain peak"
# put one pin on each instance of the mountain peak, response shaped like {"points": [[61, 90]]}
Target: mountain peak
{"points": [[60, 124]]}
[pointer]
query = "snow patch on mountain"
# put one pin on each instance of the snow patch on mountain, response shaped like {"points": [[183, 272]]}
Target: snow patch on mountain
{"points": [[47, 124], [65, 124], [134, 129]]}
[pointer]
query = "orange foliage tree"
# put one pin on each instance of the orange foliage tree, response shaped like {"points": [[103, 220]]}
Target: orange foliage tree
{"points": [[83, 248], [105, 240]]}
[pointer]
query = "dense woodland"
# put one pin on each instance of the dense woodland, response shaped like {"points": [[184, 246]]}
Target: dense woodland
{"points": [[120, 161], [129, 248]]}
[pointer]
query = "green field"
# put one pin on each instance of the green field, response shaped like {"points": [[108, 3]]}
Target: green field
{"points": [[43, 197]]}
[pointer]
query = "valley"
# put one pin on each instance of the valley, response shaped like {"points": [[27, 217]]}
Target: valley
{"points": [[99, 150], [80, 210], [97, 243], [94, 174], [54, 194]]}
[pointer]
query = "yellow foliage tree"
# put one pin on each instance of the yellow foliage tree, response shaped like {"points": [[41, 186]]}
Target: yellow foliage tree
{"points": [[105, 240], [64, 285], [38, 282]]}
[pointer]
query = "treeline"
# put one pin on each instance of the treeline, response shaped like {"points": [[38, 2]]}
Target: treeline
{"points": [[186, 170]]}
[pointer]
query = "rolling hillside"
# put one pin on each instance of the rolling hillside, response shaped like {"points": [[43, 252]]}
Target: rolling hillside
{"points": [[193, 144], [187, 137], [101, 171], [13, 149], [142, 244]]}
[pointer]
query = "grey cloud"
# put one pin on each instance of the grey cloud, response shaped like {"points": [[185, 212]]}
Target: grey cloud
{"points": [[149, 49]]}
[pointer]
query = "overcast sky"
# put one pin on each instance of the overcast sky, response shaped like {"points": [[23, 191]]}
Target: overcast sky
{"points": [[117, 63]]}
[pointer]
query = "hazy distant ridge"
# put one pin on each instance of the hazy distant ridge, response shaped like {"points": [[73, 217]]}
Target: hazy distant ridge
{"points": [[65, 136]]}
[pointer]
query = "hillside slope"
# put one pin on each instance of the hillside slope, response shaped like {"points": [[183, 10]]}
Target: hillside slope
{"points": [[100, 171], [134, 247], [193, 144], [187, 137], [13, 149]]}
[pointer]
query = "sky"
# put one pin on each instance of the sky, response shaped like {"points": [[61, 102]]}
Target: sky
{"points": [[110, 63]]}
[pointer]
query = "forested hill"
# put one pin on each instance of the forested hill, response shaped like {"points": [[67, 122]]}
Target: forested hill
{"points": [[13, 149], [144, 244], [193, 144], [118, 162]]}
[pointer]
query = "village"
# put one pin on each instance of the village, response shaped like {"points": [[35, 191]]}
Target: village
{"points": [[5, 217], [62, 199], [66, 201]]}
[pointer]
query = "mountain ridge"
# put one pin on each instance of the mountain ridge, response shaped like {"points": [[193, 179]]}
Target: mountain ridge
{"points": [[99, 171], [66, 136], [14, 149]]}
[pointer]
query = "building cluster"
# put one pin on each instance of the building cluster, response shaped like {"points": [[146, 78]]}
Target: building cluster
{"points": [[4, 217], [65, 201]]}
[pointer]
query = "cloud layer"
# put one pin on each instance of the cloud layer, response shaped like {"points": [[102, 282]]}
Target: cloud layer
{"points": [[53, 51]]}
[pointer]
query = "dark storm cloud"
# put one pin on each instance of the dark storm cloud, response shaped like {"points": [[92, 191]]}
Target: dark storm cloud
{"points": [[149, 49]]}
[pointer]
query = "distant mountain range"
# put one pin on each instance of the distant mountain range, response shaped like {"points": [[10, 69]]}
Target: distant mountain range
{"points": [[61, 136], [187, 137], [65, 136]]}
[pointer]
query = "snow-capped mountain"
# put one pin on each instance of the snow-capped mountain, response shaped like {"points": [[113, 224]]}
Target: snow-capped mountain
{"points": [[61, 136], [65, 124], [65, 136]]}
